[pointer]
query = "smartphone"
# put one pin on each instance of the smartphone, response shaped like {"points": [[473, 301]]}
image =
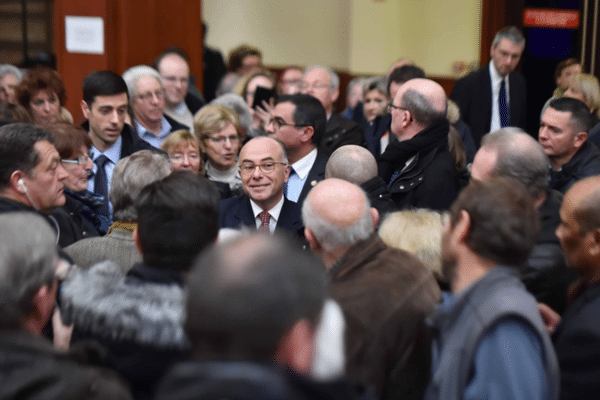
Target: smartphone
{"points": [[262, 93]]}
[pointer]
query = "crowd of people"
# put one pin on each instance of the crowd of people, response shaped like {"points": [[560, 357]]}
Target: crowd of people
{"points": [[263, 246]]}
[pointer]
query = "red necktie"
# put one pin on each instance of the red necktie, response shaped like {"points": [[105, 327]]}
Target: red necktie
{"points": [[265, 218]]}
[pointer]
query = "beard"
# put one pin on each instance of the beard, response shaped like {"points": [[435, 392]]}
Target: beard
{"points": [[449, 263]]}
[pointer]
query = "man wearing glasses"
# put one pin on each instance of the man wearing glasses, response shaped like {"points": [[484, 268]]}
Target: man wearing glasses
{"points": [[264, 169], [418, 168], [174, 70], [148, 104], [299, 122]]}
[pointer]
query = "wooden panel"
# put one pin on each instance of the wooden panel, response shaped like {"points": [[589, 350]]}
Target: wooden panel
{"points": [[135, 31], [148, 26], [73, 67]]}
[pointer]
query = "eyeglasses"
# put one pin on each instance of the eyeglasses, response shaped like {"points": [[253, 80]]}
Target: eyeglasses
{"points": [[248, 168], [148, 96], [315, 86], [223, 139], [390, 106], [278, 122], [81, 160]]}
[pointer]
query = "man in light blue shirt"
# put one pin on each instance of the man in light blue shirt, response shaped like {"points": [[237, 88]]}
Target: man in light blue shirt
{"points": [[148, 105], [299, 122]]}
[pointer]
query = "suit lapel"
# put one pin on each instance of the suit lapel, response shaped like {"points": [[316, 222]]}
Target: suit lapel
{"points": [[315, 175]]}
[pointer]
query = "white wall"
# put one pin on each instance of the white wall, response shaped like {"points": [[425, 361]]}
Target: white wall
{"points": [[360, 36]]}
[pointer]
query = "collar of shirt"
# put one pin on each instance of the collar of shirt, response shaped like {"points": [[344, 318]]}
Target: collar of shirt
{"points": [[113, 153], [180, 108], [496, 79], [274, 212], [165, 129], [303, 165]]}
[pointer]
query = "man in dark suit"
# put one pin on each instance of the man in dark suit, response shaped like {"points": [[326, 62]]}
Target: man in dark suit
{"points": [[264, 169], [494, 96], [104, 104], [298, 121], [324, 84], [576, 336]]}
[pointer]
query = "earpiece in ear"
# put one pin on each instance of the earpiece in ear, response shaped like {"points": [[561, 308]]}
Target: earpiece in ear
{"points": [[22, 184]]}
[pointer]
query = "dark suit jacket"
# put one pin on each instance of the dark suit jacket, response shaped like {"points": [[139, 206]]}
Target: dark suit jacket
{"points": [[237, 212], [315, 175], [473, 95], [338, 132], [577, 344]]}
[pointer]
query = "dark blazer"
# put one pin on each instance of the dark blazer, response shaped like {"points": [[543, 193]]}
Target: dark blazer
{"points": [[131, 141], [473, 95], [315, 175], [577, 344], [338, 132], [237, 212]]}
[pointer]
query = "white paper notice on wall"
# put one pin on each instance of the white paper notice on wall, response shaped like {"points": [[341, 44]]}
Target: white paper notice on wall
{"points": [[84, 35]]}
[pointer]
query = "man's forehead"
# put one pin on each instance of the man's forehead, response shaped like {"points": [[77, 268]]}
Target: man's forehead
{"points": [[148, 81], [46, 150], [506, 45], [116, 100], [317, 74], [171, 62], [284, 109], [556, 116], [261, 150]]}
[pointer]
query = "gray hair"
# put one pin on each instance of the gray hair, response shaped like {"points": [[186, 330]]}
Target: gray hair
{"points": [[6, 69], [332, 237], [28, 262], [133, 74], [511, 33], [130, 176], [423, 111], [520, 157], [351, 163], [335, 79], [237, 104]]}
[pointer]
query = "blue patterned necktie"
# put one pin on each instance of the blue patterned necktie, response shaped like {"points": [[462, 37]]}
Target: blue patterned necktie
{"points": [[503, 106], [101, 184]]}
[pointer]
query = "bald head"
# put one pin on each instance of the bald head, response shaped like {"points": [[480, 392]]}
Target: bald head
{"points": [[584, 198], [351, 163], [338, 214], [432, 92], [419, 103]]}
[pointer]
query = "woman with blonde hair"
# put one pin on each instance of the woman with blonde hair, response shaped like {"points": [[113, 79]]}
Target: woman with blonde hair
{"points": [[219, 132], [585, 87], [184, 152]]}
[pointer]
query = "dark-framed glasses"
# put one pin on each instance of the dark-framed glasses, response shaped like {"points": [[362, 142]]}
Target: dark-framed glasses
{"points": [[247, 168], [278, 122]]}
